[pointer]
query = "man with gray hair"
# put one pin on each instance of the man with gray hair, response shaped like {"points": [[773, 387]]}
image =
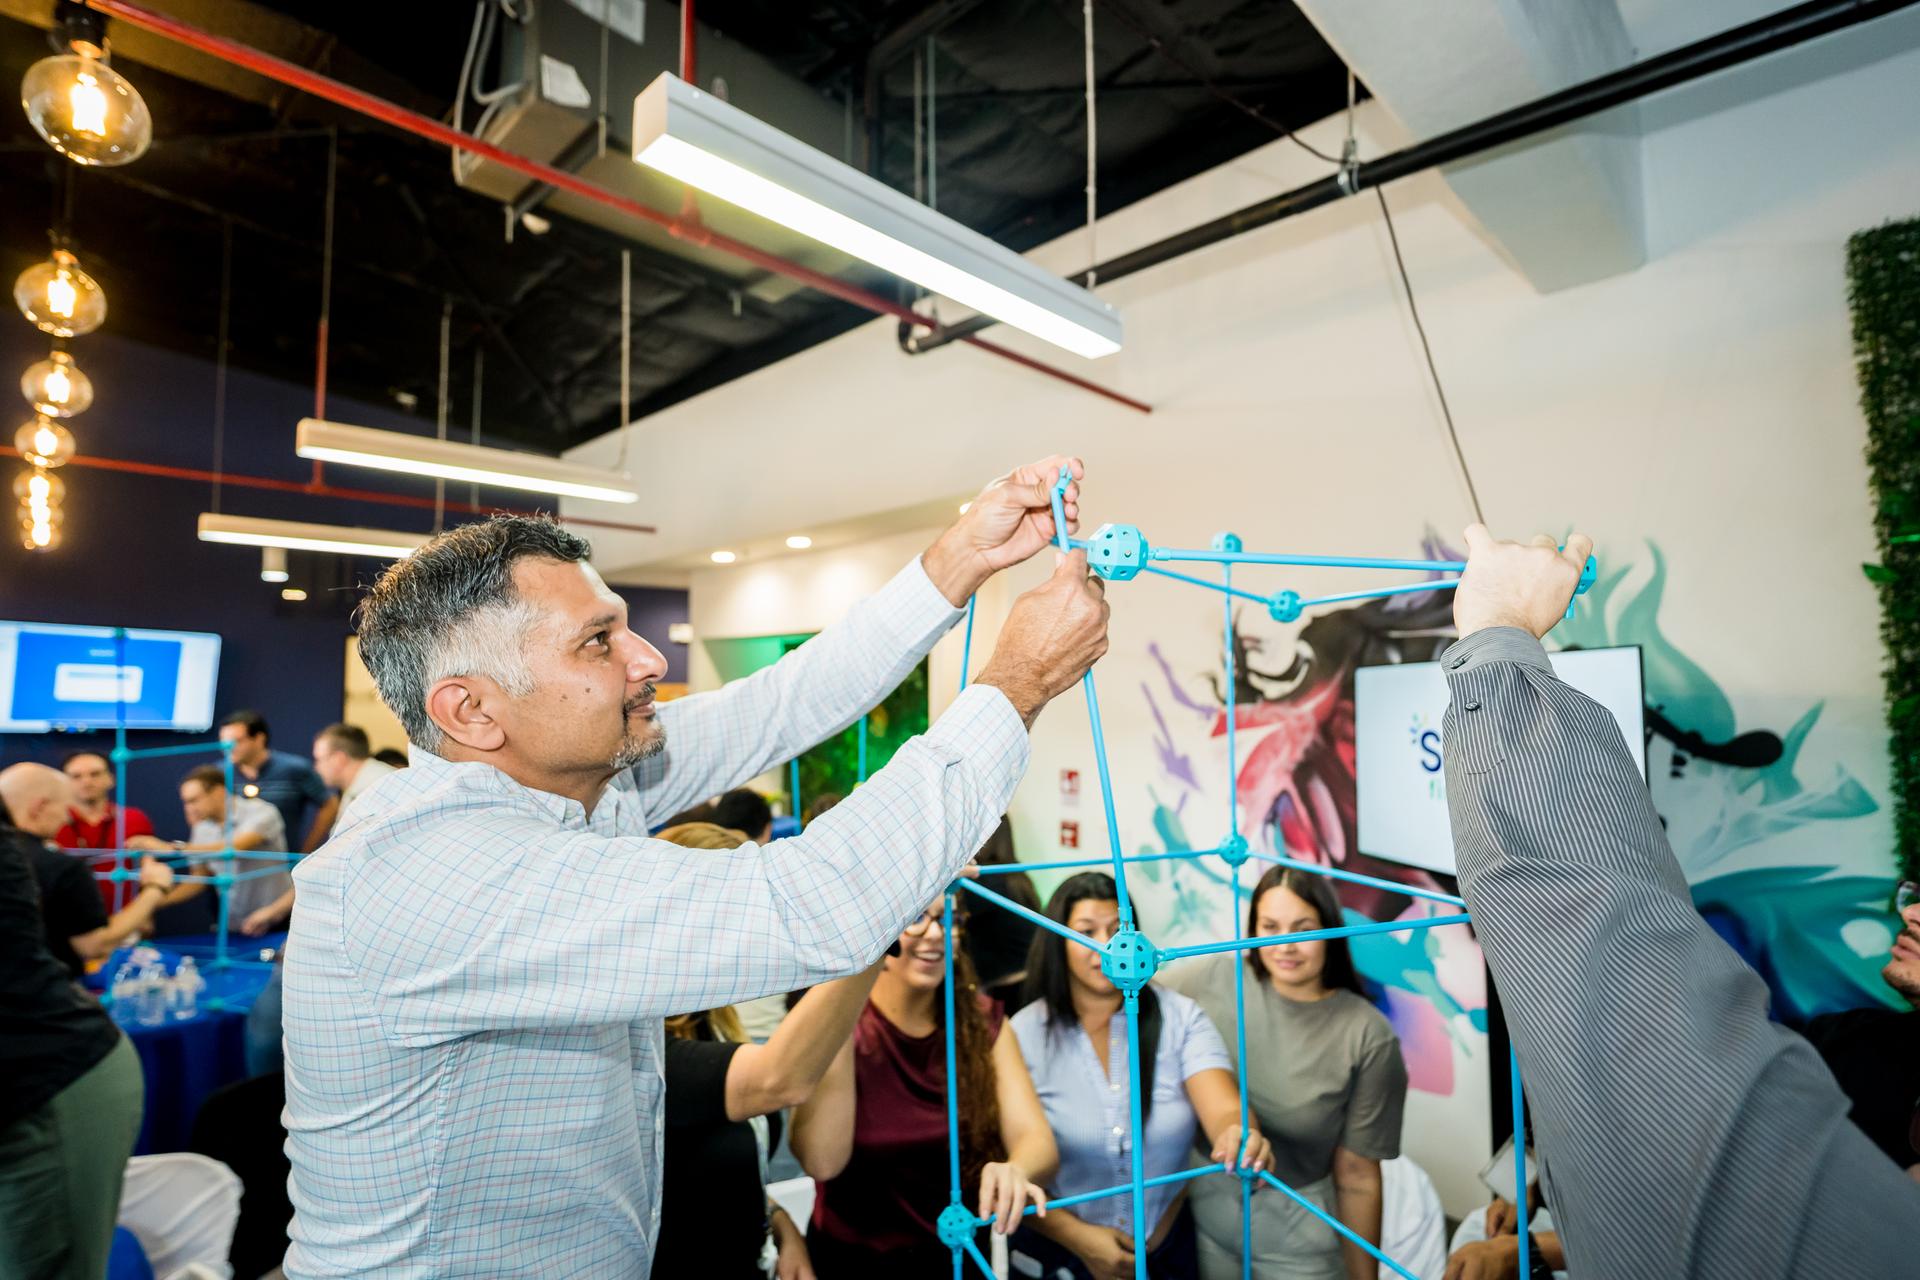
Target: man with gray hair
{"points": [[480, 962]]}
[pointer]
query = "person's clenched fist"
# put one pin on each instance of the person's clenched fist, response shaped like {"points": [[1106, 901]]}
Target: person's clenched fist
{"points": [[1513, 584]]}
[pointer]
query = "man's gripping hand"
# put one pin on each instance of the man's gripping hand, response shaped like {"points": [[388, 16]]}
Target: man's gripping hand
{"points": [[1010, 520]]}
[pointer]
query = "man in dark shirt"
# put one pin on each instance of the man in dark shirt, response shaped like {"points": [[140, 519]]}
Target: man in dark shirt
{"points": [[1874, 1054], [70, 1110], [78, 929], [282, 779]]}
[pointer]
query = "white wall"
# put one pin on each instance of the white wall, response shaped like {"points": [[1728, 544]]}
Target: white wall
{"points": [[1704, 403]]}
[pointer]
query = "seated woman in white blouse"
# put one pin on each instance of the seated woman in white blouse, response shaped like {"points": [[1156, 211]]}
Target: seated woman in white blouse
{"points": [[1073, 1035]]}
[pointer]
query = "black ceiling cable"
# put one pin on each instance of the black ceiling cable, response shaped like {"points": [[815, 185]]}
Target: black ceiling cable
{"points": [[1246, 108], [1433, 370]]}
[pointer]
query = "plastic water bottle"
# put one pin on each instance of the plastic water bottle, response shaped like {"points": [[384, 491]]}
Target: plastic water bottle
{"points": [[151, 1004], [183, 990], [124, 993]]}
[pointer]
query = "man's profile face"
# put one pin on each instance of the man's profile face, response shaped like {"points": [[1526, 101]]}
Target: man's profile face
{"points": [[591, 708], [330, 763], [1903, 969], [249, 749], [203, 804], [91, 778]]}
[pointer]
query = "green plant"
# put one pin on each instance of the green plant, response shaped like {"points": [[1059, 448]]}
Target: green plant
{"points": [[833, 765], [1883, 283]]}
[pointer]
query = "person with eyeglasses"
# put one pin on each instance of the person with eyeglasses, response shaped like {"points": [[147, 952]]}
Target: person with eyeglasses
{"points": [[1874, 1053], [874, 1133]]}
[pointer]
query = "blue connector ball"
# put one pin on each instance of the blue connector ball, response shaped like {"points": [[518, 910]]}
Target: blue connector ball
{"points": [[1284, 607], [1116, 552]]}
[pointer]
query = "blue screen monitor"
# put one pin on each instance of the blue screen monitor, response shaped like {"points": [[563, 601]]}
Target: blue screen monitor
{"points": [[57, 677]]}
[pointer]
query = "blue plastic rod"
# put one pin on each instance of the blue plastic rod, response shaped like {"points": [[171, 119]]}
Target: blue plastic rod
{"points": [[1233, 711], [1009, 868], [1335, 1223], [119, 774], [1228, 590], [953, 1075], [1086, 1197], [1411, 588], [986, 1268], [1310, 935], [1099, 734], [860, 766], [1308, 562], [1045, 922], [1519, 1151], [1354, 877], [793, 785], [1142, 1231], [184, 749], [966, 644]]}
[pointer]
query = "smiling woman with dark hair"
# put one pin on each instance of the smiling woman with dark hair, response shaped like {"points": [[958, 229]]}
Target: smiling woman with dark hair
{"points": [[1331, 1101]]}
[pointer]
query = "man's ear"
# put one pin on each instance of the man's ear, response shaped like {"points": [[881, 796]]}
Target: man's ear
{"points": [[463, 708]]}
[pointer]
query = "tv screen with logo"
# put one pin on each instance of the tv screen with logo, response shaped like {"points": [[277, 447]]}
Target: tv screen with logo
{"points": [[58, 677], [1400, 761]]}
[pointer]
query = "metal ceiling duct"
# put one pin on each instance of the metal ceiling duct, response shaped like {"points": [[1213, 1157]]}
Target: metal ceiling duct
{"points": [[567, 66]]}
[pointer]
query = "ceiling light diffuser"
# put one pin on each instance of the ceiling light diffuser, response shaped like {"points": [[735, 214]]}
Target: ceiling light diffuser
{"points": [[413, 455], [296, 535], [693, 136], [799, 542]]}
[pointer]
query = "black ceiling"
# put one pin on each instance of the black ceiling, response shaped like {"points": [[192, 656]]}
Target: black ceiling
{"points": [[1180, 81]]}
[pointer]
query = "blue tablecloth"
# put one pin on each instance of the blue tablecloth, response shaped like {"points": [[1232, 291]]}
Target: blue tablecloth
{"points": [[186, 1059]]}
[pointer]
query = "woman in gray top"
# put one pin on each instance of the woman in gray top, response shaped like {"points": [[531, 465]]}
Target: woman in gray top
{"points": [[1326, 1081]]}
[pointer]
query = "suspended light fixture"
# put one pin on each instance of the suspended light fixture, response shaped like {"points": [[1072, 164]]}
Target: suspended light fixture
{"points": [[82, 107], [56, 387], [720, 149], [273, 564], [44, 443], [295, 535], [445, 460], [59, 298], [40, 495]]}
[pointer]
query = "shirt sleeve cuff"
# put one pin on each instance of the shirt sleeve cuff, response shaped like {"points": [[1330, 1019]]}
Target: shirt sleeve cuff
{"points": [[915, 603], [982, 727], [1494, 644]]}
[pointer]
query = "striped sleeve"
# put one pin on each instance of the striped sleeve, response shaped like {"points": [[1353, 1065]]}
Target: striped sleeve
{"points": [[1682, 1133]]}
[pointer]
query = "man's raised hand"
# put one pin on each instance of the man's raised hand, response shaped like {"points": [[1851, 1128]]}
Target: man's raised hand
{"points": [[1052, 635], [1512, 584], [1008, 522]]}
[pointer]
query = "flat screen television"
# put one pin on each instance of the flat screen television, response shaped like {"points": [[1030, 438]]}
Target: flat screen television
{"points": [[1399, 756], [56, 677]]}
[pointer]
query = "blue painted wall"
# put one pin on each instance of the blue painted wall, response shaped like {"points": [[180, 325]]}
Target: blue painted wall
{"points": [[129, 555]]}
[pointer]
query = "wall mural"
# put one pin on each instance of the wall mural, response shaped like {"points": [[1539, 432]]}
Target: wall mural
{"points": [[1732, 801]]}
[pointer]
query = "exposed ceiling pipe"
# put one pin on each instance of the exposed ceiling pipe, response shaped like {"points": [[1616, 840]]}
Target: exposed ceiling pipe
{"points": [[271, 484], [1730, 48], [331, 90]]}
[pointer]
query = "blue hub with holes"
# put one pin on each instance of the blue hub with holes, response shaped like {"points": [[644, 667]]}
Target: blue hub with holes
{"points": [[1284, 606], [1130, 960], [1117, 552], [955, 1226]]}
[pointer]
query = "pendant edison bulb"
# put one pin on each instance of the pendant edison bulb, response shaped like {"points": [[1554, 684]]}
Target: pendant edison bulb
{"points": [[86, 110], [44, 443], [56, 387], [38, 490], [40, 532], [59, 298]]}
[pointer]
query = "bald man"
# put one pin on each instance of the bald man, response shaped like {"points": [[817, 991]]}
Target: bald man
{"points": [[38, 800]]}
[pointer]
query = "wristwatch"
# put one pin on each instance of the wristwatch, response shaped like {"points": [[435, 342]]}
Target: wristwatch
{"points": [[1538, 1267]]}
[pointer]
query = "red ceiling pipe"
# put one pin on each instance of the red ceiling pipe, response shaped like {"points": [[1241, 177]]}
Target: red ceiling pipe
{"points": [[298, 77], [131, 467], [686, 40]]}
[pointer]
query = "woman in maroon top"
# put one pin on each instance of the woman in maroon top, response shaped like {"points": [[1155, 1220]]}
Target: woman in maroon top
{"points": [[874, 1133]]}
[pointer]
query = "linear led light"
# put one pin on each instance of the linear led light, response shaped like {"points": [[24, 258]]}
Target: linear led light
{"points": [[412, 455], [296, 535], [694, 137]]}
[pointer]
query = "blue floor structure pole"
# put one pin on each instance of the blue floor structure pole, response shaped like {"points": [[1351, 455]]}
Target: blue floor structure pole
{"points": [[1519, 1152], [860, 766], [1236, 843], [1142, 1229], [119, 774], [793, 785]]}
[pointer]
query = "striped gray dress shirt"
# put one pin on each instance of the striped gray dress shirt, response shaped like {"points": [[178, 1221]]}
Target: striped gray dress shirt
{"points": [[1682, 1133]]}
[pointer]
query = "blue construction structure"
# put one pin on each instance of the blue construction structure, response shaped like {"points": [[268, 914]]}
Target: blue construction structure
{"points": [[1118, 553], [125, 860]]}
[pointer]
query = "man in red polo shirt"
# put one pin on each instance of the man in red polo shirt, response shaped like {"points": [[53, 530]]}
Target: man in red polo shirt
{"points": [[90, 824]]}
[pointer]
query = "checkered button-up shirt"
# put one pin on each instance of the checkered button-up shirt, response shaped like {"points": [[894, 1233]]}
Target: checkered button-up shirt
{"points": [[477, 970]]}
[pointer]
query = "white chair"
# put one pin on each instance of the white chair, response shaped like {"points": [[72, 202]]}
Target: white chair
{"points": [[1413, 1227], [795, 1195], [182, 1208]]}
